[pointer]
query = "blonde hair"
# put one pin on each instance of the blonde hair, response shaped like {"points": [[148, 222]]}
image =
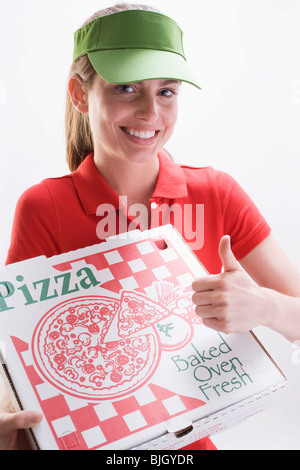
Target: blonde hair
{"points": [[79, 138]]}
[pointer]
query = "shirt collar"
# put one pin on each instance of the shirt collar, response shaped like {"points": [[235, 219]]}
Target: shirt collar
{"points": [[93, 190], [171, 182]]}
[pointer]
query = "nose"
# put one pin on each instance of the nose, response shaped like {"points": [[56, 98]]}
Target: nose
{"points": [[147, 109]]}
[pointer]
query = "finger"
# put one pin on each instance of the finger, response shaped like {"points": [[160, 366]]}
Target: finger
{"points": [[206, 311], [9, 422], [228, 259], [212, 323], [208, 318], [204, 298], [206, 283]]}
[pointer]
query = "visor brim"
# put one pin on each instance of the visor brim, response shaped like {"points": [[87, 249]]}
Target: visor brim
{"points": [[136, 65]]}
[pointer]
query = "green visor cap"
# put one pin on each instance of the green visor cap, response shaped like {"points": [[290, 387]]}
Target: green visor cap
{"points": [[133, 46]]}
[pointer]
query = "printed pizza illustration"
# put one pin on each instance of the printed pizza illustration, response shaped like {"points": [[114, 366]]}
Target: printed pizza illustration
{"points": [[138, 312], [99, 347], [70, 351]]}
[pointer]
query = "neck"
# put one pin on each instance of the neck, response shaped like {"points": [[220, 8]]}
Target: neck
{"points": [[135, 180]]}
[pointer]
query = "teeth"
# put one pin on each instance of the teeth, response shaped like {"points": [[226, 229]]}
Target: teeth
{"points": [[141, 135]]}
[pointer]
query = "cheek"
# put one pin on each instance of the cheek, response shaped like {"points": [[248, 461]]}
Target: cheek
{"points": [[111, 114], [94, 118], [102, 119], [171, 114], [170, 117]]}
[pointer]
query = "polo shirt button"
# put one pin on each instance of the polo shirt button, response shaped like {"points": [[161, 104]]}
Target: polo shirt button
{"points": [[153, 205]]}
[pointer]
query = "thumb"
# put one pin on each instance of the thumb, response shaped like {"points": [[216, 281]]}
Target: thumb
{"points": [[228, 259]]}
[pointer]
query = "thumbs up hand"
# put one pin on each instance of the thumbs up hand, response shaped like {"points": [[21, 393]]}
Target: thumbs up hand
{"points": [[229, 302]]}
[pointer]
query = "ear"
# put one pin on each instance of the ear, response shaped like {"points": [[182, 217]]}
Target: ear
{"points": [[77, 94]]}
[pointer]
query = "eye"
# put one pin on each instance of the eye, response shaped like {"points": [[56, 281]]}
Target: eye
{"points": [[167, 92], [125, 88]]}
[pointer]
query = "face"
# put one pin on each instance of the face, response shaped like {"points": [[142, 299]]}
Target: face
{"points": [[132, 121]]}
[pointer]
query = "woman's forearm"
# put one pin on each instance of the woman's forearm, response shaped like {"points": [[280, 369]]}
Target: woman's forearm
{"points": [[283, 314]]}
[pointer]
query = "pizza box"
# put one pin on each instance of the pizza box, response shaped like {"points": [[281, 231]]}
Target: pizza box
{"points": [[105, 342]]}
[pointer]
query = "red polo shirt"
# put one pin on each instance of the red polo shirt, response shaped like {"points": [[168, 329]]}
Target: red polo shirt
{"points": [[63, 214]]}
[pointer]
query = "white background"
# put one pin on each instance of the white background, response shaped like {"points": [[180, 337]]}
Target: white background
{"points": [[244, 121]]}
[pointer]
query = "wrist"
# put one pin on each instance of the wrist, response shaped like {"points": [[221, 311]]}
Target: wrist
{"points": [[282, 314], [273, 312]]}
